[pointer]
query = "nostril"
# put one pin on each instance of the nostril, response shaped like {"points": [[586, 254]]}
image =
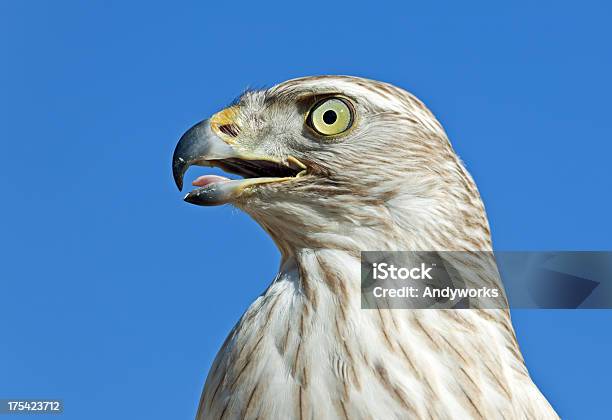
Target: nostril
{"points": [[229, 129]]}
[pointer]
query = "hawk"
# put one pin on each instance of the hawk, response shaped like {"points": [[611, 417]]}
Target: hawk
{"points": [[332, 166]]}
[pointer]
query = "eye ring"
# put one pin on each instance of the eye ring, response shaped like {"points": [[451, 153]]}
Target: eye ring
{"points": [[331, 116]]}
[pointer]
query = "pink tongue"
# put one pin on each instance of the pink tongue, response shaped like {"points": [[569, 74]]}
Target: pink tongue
{"points": [[208, 179]]}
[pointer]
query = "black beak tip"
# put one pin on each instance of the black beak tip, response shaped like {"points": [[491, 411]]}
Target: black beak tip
{"points": [[192, 145], [179, 167], [190, 198], [178, 178], [185, 151]]}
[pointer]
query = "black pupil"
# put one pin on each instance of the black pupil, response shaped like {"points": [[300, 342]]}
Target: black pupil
{"points": [[330, 117]]}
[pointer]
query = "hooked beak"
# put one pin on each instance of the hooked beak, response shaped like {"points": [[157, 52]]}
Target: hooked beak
{"points": [[202, 147], [198, 145]]}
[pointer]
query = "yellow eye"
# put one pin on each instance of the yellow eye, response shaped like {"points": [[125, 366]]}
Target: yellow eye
{"points": [[330, 117]]}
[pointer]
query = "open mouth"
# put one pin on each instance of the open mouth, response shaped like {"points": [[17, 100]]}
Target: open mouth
{"points": [[250, 169], [215, 189], [200, 146]]}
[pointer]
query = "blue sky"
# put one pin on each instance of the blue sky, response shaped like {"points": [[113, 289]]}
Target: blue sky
{"points": [[116, 295]]}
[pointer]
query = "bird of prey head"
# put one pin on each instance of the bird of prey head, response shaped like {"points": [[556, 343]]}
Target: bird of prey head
{"points": [[326, 159], [330, 166]]}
